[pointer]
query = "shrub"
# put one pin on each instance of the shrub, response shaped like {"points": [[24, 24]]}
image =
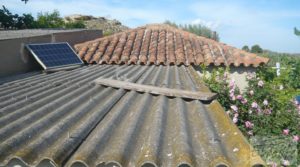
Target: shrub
{"points": [[74, 24], [266, 108]]}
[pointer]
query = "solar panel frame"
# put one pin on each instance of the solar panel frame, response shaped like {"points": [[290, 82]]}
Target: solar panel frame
{"points": [[49, 68]]}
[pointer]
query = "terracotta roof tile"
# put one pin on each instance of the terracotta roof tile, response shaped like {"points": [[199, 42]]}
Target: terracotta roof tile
{"points": [[163, 45]]}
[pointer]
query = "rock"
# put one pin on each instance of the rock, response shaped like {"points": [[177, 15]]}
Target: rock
{"points": [[116, 22], [77, 17], [101, 19], [108, 26]]}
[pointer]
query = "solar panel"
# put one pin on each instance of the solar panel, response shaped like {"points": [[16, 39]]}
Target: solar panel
{"points": [[54, 55]]}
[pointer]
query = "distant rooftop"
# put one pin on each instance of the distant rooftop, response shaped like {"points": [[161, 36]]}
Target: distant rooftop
{"points": [[12, 34]]}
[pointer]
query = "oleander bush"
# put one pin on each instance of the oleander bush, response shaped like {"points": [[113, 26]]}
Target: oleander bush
{"points": [[265, 110]]}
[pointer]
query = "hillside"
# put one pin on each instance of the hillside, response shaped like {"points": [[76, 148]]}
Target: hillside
{"points": [[107, 25]]}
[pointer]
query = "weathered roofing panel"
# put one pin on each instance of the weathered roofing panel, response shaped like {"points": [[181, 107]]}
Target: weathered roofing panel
{"points": [[163, 45], [12, 34], [65, 119]]}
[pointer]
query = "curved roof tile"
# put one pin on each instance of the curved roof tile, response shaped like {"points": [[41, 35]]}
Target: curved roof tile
{"points": [[162, 44]]}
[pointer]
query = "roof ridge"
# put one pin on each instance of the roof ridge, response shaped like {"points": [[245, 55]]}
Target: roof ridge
{"points": [[212, 52]]}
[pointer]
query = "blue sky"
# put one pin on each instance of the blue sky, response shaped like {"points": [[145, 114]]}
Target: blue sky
{"points": [[268, 23]]}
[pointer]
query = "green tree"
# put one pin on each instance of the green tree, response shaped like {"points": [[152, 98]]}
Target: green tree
{"points": [[296, 31], [49, 20], [29, 21], [246, 48], [14, 21], [197, 29], [18, 22], [6, 18], [171, 23], [256, 49], [44, 20]]}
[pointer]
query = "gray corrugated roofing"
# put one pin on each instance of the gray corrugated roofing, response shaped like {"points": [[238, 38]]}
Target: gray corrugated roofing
{"points": [[65, 119], [11, 34]]}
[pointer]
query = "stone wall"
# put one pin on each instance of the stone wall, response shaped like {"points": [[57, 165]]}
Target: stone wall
{"points": [[239, 74]]}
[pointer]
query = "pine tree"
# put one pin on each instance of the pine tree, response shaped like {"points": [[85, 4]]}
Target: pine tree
{"points": [[256, 49], [296, 31], [246, 48]]}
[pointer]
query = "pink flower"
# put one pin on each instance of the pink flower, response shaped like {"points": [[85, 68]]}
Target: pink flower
{"points": [[244, 101], [259, 111], [274, 164], [286, 131], [251, 92], [232, 96], [234, 108], [285, 162], [232, 83], [249, 125], [235, 119], [260, 83], [254, 105], [239, 97], [265, 102], [296, 138], [236, 115]]}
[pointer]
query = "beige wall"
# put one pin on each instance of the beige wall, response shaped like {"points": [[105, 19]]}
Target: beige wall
{"points": [[15, 59], [239, 74], [77, 36]]}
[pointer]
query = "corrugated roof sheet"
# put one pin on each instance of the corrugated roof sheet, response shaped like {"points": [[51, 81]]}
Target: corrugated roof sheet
{"points": [[163, 45], [65, 119]]}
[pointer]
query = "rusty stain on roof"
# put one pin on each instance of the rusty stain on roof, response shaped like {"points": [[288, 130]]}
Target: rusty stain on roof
{"points": [[65, 119], [161, 44]]}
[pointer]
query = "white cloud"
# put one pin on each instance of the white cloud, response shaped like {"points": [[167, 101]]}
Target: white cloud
{"points": [[210, 24], [236, 22], [240, 25], [126, 15]]}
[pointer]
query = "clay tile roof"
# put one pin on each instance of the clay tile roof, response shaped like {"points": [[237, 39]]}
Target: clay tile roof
{"points": [[162, 44]]}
